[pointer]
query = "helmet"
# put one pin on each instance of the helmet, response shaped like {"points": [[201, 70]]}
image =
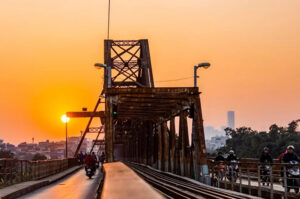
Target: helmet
{"points": [[266, 149], [291, 147], [231, 152]]}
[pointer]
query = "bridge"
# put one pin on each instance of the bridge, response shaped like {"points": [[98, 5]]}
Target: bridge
{"points": [[141, 142]]}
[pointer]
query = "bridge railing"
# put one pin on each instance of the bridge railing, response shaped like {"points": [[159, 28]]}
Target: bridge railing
{"points": [[254, 178], [14, 171]]}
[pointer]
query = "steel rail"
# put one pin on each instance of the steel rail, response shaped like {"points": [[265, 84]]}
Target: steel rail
{"points": [[171, 186]]}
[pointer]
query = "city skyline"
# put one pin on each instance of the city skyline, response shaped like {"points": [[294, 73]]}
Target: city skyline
{"points": [[49, 48]]}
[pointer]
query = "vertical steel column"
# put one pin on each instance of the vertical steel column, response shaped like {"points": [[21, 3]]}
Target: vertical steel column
{"points": [[139, 150], [172, 145], [186, 146], [200, 139], [144, 140], [160, 147], [136, 151], [166, 148], [109, 130], [155, 146], [107, 61], [150, 146], [183, 141], [195, 151]]}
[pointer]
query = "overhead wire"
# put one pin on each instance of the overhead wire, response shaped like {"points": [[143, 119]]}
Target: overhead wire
{"points": [[172, 80]]}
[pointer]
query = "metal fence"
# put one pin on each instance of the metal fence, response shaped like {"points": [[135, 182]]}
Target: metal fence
{"points": [[14, 171], [264, 180]]}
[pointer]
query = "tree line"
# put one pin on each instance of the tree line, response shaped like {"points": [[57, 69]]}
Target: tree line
{"points": [[249, 143], [8, 154]]}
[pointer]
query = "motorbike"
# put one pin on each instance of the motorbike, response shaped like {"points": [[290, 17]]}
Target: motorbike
{"points": [[232, 171], [265, 174], [293, 174], [89, 172]]}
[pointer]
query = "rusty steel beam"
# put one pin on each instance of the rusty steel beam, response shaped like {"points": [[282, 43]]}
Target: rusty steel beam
{"points": [[86, 114], [161, 90], [87, 128], [98, 142], [94, 141]]}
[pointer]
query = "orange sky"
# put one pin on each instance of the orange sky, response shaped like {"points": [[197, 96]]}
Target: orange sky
{"points": [[48, 49]]}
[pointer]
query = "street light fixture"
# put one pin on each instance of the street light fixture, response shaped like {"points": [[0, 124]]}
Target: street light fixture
{"points": [[108, 69], [65, 120], [204, 65], [99, 65]]}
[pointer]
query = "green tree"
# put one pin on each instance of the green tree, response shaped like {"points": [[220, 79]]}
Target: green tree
{"points": [[248, 143], [39, 156], [6, 154]]}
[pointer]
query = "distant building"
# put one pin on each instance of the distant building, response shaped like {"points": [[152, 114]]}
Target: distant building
{"points": [[210, 131], [230, 119], [214, 143]]}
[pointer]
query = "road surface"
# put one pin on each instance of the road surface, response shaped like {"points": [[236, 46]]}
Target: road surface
{"points": [[76, 186]]}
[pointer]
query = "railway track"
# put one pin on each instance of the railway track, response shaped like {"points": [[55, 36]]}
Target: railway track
{"points": [[175, 187]]}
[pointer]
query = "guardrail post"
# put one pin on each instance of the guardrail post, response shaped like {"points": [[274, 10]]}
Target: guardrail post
{"points": [[10, 173], [232, 176], [271, 182], [213, 176], [225, 180], [259, 180], [219, 174], [240, 177], [285, 182], [249, 181]]}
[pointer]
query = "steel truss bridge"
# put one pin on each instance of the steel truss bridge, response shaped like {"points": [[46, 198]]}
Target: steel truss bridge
{"points": [[139, 118]]}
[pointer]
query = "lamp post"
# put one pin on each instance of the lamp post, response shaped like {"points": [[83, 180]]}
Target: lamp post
{"points": [[65, 120], [100, 65], [205, 65]]}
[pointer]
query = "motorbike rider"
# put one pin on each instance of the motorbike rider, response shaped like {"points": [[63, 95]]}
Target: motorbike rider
{"points": [[102, 159], [220, 157], [265, 156], [232, 168], [231, 156], [89, 162], [287, 158], [95, 159], [290, 155]]}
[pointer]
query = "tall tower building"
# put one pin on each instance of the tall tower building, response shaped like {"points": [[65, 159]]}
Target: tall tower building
{"points": [[230, 119]]}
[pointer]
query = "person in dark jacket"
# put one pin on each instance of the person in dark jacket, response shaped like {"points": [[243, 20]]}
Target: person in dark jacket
{"points": [[89, 161], [219, 157], [265, 156], [290, 155], [231, 156]]}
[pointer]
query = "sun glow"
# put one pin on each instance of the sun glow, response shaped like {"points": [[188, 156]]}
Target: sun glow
{"points": [[65, 119]]}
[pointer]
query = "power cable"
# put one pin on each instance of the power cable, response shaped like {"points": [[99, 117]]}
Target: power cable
{"points": [[172, 80]]}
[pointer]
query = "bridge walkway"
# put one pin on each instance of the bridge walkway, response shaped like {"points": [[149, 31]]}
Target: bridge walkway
{"points": [[76, 186]]}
